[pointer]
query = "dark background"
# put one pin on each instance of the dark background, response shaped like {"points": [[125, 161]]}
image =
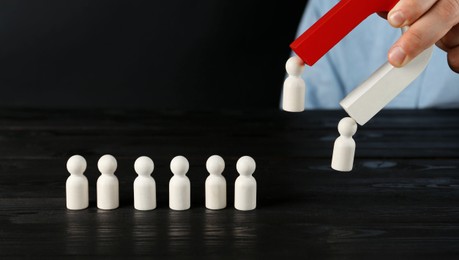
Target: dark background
{"points": [[182, 54]]}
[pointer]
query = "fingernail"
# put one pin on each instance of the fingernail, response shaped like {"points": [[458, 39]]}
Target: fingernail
{"points": [[396, 19], [397, 56]]}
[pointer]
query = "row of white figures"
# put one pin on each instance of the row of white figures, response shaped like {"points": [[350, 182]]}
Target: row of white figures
{"points": [[145, 186], [293, 97]]}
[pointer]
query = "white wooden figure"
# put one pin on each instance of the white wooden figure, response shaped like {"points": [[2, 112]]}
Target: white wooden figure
{"points": [[344, 147], [107, 183], [294, 87], [245, 187], [215, 183], [144, 184], [76, 186], [179, 184]]}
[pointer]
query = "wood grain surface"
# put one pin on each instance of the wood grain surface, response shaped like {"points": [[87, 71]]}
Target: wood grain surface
{"points": [[400, 201]]}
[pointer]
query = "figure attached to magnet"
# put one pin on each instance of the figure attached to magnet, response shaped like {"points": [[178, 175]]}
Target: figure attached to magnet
{"points": [[381, 87]]}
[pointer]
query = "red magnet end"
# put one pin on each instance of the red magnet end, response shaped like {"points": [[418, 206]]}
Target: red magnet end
{"points": [[334, 26]]}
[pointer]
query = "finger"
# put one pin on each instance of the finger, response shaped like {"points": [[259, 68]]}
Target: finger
{"points": [[451, 39], [450, 44], [426, 31], [453, 59], [406, 12]]}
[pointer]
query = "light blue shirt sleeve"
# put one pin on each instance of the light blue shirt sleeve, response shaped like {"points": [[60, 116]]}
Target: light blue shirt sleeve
{"points": [[359, 54]]}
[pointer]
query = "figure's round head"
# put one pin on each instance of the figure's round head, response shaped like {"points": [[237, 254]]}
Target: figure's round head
{"points": [[107, 164], [347, 127], [76, 165], [144, 166], [215, 164], [179, 165], [294, 66], [246, 165]]}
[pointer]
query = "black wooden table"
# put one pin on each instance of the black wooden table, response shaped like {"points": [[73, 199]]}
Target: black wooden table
{"points": [[402, 198]]}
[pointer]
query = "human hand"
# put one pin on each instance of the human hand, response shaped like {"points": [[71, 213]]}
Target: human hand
{"points": [[431, 22]]}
